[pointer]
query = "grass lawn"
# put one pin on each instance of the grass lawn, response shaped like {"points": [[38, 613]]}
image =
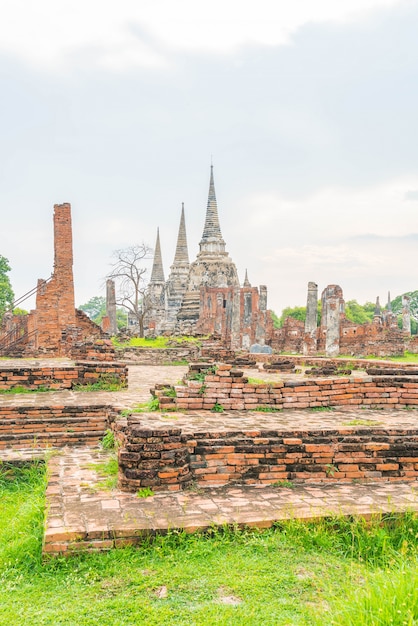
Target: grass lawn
{"points": [[335, 572], [158, 342]]}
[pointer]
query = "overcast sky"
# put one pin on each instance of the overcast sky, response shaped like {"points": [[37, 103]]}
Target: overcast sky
{"points": [[308, 107]]}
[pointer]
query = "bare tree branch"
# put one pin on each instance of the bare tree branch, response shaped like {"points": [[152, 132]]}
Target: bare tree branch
{"points": [[129, 273]]}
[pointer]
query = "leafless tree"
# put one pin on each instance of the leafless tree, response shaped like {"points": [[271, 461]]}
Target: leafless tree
{"points": [[129, 271]]}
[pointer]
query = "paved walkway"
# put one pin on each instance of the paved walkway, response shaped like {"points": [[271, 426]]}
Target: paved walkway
{"points": [[82, 515], [140, 380]]}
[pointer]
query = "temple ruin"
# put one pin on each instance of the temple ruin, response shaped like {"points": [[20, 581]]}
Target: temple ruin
{"points": [[336, 334], [205, 297]]}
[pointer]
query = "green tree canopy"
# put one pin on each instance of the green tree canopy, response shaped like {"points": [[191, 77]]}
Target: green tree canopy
{"points": [[298, 312], [359, 313], [6, 292], [95, 308]]}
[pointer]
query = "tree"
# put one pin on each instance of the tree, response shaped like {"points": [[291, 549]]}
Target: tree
{"points": [[297, 312], [6, 292], [358, 313], [95, 308], [129, 273]]}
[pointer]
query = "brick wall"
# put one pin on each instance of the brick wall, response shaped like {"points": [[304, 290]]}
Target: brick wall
{"points": [[230, 389], [65, 377], [168, 459], [356, 339], [52, 426], [155, 356]]}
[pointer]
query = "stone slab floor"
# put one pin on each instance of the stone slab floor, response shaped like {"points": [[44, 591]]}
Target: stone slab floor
{"points": [[81, 515]]}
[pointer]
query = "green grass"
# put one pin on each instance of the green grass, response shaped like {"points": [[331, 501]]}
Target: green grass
{"points": [[258, 381], [408, 357], [22, 389], [334, 572], [108, 441], [267, 409], [158, 342], [108, 472], [145, 492], [104, 383], [360, 422], [22, 516], [321, 408]]}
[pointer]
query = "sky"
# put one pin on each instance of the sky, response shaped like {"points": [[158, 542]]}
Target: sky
{"points": [[307, 109]]}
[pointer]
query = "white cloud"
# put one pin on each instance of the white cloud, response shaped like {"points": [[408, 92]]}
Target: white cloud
{"points": [[335, 211], [131, 33]]}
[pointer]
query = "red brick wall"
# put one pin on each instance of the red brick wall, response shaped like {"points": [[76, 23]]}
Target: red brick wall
{"points": [[229, 388], [167, 459], [52, 426], [62, 377]]}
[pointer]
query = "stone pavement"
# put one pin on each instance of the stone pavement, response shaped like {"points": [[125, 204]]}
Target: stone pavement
{"points": [[140, 379], [82, 515]]}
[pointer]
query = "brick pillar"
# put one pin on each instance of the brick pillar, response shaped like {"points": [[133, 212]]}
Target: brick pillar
{"points": [[332, 307], [406, 314], [310, 339], [55, 308], [111, 306], [63, 264]]}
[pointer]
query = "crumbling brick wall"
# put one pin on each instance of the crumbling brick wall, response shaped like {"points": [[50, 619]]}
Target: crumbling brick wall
{"points": [[167, 458], [55, 308], [55, 326], [231, 390], [289, 338], [238, 316], [40, 377]]}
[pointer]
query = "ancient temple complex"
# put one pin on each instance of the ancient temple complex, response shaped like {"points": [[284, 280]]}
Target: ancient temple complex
{"points": [[205, 297]]}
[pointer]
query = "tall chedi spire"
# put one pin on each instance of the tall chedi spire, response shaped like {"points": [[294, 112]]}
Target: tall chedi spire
{"points": [[213, 267], [182, 253], [154, 300], [212, 240], [157, 274], [176, 284]]}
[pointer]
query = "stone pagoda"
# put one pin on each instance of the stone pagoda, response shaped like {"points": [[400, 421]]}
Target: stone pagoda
{"points": [[176, 284], [213, 267]]}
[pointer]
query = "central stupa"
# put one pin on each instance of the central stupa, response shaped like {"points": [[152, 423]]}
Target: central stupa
{"points": [[213, 266]]}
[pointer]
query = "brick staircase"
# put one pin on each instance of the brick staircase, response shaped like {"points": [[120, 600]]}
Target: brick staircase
{"points": [[52, 426]]}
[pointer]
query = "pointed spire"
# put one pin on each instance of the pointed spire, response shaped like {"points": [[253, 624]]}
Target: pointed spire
{"points": [[212, 230], [246, 281], [389, 304], [157, 274], [182, 254], [377, 309]]}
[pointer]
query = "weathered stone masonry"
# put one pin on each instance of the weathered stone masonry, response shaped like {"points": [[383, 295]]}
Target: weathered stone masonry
{"points": [[53, 426], [229, 388], [169, 459], [64, 377]]}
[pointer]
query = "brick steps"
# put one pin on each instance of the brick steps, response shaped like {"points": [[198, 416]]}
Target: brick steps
{"points": [[29, 427], [53, 440]]}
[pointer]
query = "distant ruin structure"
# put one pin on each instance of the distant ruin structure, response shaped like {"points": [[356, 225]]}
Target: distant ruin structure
{"points": [[406, 314], [332, 309], [109, 323], [55, 327], [205, 297], [339, 335]]}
